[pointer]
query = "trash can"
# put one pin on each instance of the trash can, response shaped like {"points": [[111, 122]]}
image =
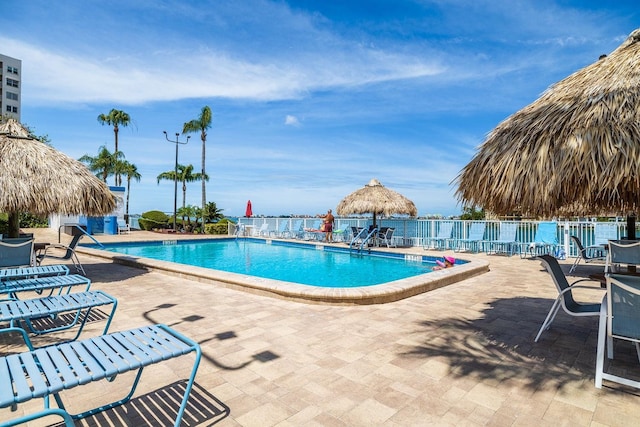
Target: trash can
{"points": [[110, 225]]}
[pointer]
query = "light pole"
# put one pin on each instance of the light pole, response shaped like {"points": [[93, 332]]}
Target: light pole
{"points": [[175, 176]]}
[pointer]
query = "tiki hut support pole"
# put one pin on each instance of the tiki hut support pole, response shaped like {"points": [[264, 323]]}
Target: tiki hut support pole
{"points": [[14, 224], [631, 226]]}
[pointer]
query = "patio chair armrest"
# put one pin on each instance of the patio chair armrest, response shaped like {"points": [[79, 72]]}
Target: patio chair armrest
{"points": [[573, 284], [56, 246], [21, 332]]}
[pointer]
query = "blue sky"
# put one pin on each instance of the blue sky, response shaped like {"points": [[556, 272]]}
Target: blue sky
{"points": [[311, 99]]}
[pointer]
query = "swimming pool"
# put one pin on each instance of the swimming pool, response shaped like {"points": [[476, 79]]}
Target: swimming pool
{"points": [[311, 265], [356, 295]]}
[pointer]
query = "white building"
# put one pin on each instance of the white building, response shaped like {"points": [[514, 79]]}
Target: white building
{"points": [[10, 87]]}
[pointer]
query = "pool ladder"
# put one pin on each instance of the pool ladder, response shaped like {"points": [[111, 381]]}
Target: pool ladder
{"points": [[363, 240]]}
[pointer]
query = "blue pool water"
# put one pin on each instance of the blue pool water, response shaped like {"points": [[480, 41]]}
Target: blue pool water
{"points": [[291, 262]]}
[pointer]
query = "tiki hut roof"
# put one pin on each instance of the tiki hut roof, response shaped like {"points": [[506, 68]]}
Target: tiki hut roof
{"points": [[376, 199], [575, 150], [37, 178]]}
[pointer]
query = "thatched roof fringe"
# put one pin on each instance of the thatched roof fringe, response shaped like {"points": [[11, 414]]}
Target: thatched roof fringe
{"points": [[574, 150]]}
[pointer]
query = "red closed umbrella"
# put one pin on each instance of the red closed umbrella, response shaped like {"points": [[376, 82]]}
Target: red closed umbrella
{"points": [[248, 212]]}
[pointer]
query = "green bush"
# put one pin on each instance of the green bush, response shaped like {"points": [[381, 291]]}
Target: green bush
{"points": [[153, 219], [28, 220], [217, 228]]}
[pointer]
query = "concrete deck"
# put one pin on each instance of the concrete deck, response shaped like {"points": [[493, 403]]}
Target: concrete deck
{"points": [[458, 355]]}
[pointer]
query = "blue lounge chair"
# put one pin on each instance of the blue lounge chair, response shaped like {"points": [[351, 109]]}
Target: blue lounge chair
{"points": [[296, 231], [314, 232], [342, 232], [545, 241], [123, 227], [506, 242], [17, 252], [472, 242], [442, 237], [27, 312], [28, 272], [263, 231], [282, 229], [46, 372], [39, 284], [603, 232]]}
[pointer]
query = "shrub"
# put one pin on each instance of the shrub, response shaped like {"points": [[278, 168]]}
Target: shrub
{"points": [[220, 227], [28, 220], [153, 219], [217, 228]]}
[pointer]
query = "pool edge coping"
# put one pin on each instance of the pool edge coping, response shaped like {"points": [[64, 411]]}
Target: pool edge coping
{"points": [[364, 295]]}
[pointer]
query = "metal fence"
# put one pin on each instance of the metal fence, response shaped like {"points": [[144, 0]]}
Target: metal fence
{"points": [[417, 232]]}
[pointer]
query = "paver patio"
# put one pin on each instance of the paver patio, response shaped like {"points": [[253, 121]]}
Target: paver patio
{"points": [[460, 355]]}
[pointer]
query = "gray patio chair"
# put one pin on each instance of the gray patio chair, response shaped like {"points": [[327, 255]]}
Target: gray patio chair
{"points": [[619, 319], [565, 298], [589, 254], [385, 237], [622, 252], [16, 252], [69, 253]]}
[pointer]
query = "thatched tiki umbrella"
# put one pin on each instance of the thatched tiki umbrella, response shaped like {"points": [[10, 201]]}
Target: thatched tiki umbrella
{"points": [[376, 199], [36, 178], [574, 151]]}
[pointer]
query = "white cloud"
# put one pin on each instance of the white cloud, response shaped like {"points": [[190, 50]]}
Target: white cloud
{"points": [[61, 77], [291, 120]]}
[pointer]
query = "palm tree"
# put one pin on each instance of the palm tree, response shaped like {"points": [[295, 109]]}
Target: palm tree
{"points": [[185, 174], [115, 118], [131, 172], [212, 213], [189, 212], [201, 124], [104, 164]]}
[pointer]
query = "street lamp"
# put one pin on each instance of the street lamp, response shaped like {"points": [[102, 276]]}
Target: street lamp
{"points": [[175, 176]]}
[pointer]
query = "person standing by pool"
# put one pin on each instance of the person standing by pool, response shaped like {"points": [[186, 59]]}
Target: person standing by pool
{"points": [[327, 226]]}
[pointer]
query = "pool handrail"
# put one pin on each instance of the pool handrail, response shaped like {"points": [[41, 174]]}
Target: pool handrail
{"points": [[369, 235], [82, 230]]}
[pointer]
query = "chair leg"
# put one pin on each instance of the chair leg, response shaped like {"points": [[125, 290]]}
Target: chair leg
{"points": [[575, 264], [550, 317], [602, 339]]}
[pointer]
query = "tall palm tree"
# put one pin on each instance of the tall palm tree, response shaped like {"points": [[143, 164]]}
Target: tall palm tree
{"points": [[115, 118], [104, 164], [201, 124], [185, 174], [131, 172]]}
